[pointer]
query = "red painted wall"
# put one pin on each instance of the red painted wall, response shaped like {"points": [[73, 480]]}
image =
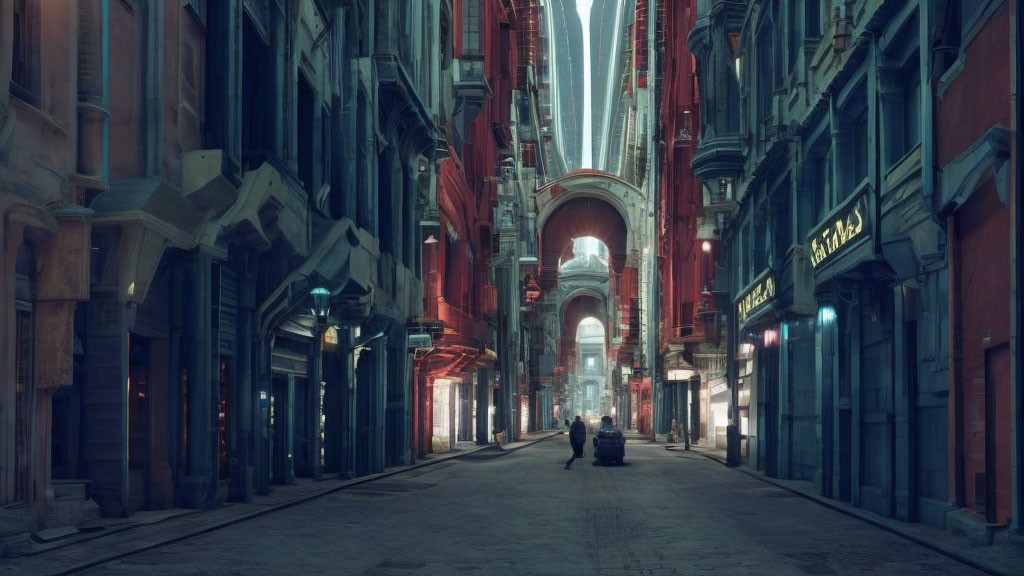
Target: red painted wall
{"points": [[984, 287], [976, 99], [965, 112], [678, 250]]}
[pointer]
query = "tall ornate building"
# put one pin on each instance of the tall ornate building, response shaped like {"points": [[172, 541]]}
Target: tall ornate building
{"points": [[690, 323], [212, 256], [833, 140]]}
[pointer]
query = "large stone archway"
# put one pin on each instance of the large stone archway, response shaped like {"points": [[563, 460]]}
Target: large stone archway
{"points": [[590, 203]]}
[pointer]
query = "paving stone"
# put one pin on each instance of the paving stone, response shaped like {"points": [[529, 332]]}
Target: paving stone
{"points": [[522, 514]]}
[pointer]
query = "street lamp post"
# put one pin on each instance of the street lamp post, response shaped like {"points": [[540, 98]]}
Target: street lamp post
{"points": [[321, 309]]}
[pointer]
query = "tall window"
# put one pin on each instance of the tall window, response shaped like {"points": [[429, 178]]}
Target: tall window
{"points": [[471, 35], [765, 76], [759, 240], [258, 91], [815, 192], [911, 75], [793, 33], [304, 120], [782, 220], [859, 154], [813, 18], [25, 72]]}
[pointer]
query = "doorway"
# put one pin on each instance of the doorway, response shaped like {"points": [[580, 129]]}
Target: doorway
{"points": [[138, 421], [279, 457]]}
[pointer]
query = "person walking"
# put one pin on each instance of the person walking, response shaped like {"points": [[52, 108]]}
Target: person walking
{"points": [[577, 438]]}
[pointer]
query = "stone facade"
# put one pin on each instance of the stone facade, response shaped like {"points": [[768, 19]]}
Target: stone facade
{"points": [[818, 135]]}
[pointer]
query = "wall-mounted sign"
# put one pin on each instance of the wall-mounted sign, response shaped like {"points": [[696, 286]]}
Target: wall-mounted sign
{"points": [[759, 294], [839, 231]]}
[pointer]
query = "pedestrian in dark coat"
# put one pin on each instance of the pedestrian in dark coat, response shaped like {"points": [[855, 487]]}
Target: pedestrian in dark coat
{"points": [[577, 437]]}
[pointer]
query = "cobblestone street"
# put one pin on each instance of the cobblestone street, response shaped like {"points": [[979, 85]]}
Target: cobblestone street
{"points": [[663, 512]]}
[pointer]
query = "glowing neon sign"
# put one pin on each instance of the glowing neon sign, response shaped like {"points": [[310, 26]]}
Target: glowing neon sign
{"points": [[759, 294], [839, 232]]}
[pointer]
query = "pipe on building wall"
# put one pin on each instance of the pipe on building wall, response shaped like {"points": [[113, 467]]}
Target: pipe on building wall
{"points": [[956, 392], [1017, 318], [105, 23]]}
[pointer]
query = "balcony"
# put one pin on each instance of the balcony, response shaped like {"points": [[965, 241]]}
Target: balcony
{"points": [[717, 156], [719, 197], [471, 79], [462, 323]]}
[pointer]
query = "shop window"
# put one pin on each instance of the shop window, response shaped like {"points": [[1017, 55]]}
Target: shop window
{"points": [[138, 403], [25, 71], [223, 406]]}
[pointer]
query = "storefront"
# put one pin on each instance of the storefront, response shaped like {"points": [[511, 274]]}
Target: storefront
{"points": [[757, 370], [854, 362]]}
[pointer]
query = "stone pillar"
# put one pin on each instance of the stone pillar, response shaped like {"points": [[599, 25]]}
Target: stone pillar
{"points": [[378, 406], [314, 406], [199, 486], [261, 414], [106, 402], [905, 396], [245, 395], [483, 406], [825, 370], [348, 420]]}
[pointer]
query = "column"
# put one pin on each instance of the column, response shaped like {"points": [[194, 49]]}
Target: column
{"points": [[105, 408], [824, 340], [483, 406], [905, 399], [200, 483]]}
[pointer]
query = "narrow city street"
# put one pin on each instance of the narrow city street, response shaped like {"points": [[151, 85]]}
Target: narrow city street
{"points": [[662, 512]]}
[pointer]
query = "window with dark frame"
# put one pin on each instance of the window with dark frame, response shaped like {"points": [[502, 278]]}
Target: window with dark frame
{"points": [[304, 120], [25, 59], [911, 75], [471, 34]]}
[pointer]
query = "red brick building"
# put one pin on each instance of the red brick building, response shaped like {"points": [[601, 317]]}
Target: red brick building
{"points": [[973, 142]]}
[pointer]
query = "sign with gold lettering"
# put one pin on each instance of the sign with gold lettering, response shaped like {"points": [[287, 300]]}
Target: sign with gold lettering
{"points": [[840, 231], [760, 293]]}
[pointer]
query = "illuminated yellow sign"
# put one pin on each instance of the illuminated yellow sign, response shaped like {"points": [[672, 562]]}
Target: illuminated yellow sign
{"points": [[839, 232], [757, 296]]}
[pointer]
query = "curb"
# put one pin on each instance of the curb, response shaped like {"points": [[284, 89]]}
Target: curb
{"points": [[267, 510], [525, 444], [865, 517]]}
